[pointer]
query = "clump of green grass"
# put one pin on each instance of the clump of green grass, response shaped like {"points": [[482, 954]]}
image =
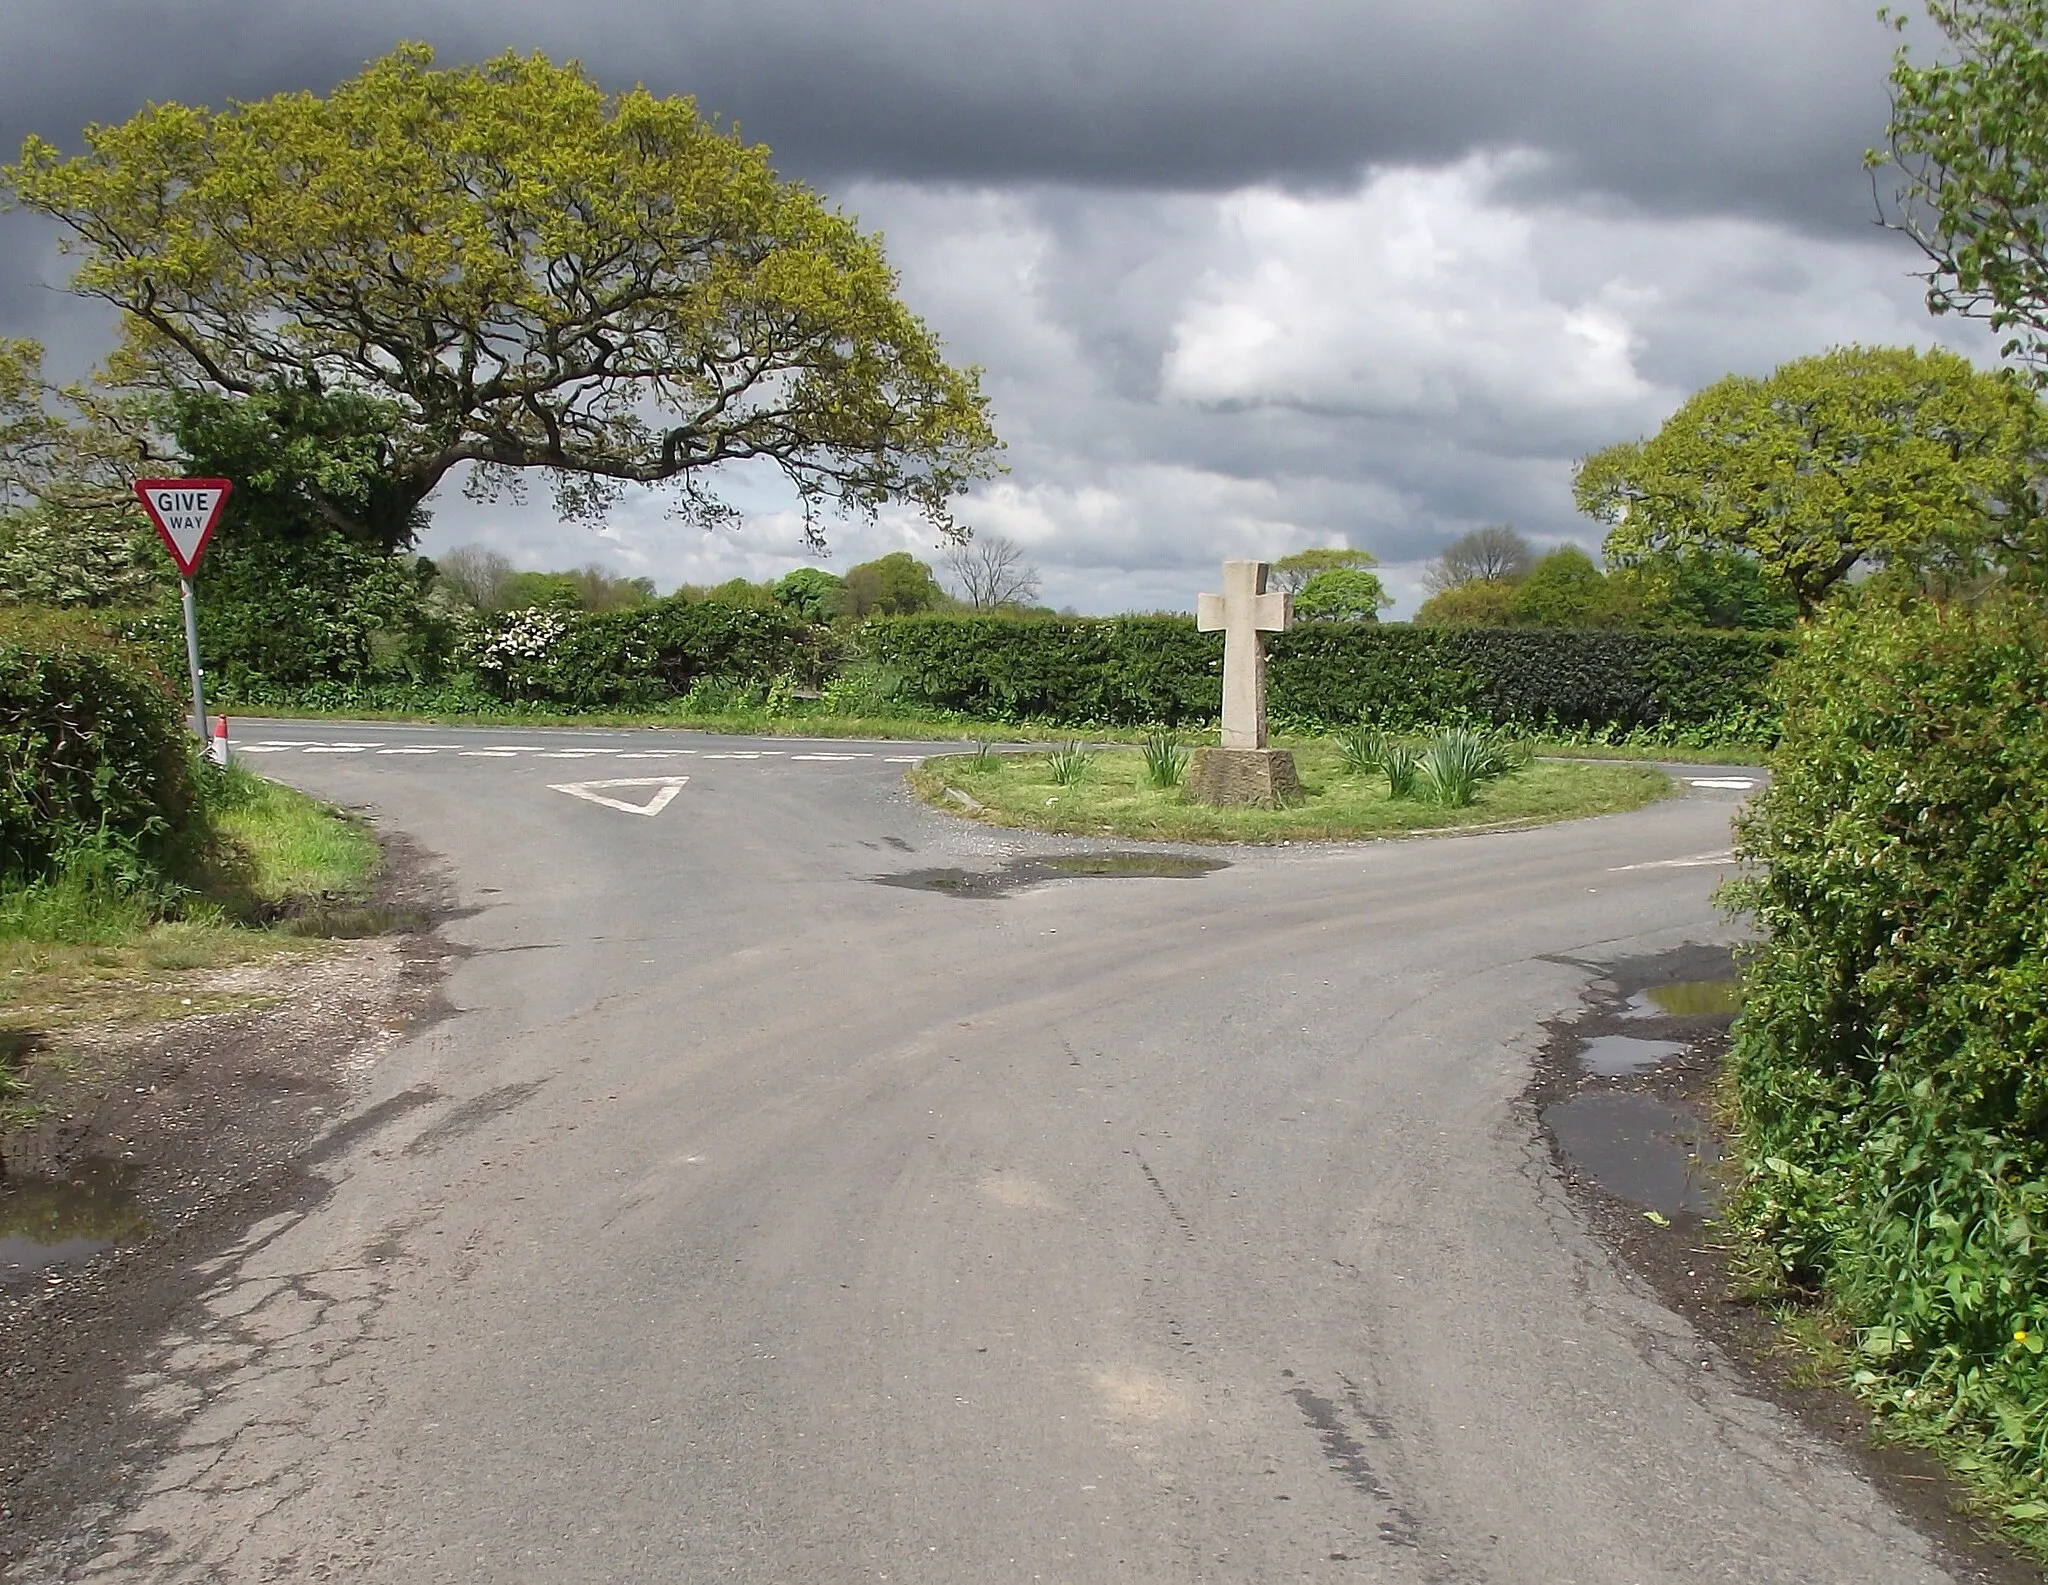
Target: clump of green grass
{"points": [[93, 938], [983, 757], [284, 845], [1070, 764], [1166, 760]]}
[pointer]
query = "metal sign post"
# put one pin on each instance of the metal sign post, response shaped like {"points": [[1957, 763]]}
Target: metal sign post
{"points": [[185, 512], [192, 660]]}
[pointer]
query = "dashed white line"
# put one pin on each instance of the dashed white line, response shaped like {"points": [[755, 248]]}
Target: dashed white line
{"points": [[1697, 861]]}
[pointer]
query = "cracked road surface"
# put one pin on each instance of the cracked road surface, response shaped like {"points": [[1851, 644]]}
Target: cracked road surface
{"points": [[753, 1221]]}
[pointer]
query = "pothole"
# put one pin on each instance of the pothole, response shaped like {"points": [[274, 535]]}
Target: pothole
{"points": [[1621, 1056], [1719, 998], [1019, 873], [50, 1222], [1655, 1156], [1626, 1093]]}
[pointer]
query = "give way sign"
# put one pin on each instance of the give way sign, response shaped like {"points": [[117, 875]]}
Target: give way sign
{"points": [[184, 512]]}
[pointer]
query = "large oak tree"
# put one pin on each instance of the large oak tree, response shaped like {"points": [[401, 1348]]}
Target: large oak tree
{"points": [[1860, 456], [510, 270]]}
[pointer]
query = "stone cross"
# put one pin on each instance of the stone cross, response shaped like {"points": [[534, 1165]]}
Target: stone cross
{"points": [[1241, 612]]}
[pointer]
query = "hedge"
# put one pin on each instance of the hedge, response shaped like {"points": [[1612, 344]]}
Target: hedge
{"points": [[94, 750], [642, 655], [1891, 1061], [1135, 671]]}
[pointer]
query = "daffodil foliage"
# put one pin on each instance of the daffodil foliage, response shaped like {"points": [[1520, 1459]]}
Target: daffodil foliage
{"points": [[1873, 456], [529, 273]]}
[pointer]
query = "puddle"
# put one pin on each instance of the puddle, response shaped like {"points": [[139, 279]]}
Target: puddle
{"points": [[1019, 873], [47, 1222], [1653, 1155], [1618, 1056], [1688, 999]]}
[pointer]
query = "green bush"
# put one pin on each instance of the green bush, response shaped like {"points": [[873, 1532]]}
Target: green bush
{"points": [[1137, 671], [640, 656], [1891, 1060], [96, 764]]}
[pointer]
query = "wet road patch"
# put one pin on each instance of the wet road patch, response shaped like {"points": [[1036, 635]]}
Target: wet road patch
{"points": [[50, 1222], [1655, 1156], [1625, 1093], [1016, 874]]}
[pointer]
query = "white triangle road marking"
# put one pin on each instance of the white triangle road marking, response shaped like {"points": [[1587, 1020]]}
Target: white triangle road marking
{"points": [[592, 791]]}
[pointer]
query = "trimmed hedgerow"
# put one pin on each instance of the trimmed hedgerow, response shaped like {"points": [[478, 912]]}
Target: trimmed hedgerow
{"points": [[94, 752], [642, 655], [1891, 1061], [1134, 671]]}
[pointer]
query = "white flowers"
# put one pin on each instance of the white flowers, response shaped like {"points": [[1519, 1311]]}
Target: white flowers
{"points": [[521, 639]]}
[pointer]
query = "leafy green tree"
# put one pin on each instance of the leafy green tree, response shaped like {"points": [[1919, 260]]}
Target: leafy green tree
{"points": [[551, 591], [53, 557], [743, 595], [1291, 574], [1704, 588], [290, 599], [1342, 594], [1969, 138], [897, 584], [1862, 455], [812, 593], [1563, 589], [1478, 602], [525, 273]]}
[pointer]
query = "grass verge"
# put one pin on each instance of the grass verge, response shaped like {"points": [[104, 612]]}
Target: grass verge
{"points": [[82, 947], [1113, 798]]}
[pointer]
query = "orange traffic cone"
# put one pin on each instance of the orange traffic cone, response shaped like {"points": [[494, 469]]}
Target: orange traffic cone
{"points": [[218, 749]]}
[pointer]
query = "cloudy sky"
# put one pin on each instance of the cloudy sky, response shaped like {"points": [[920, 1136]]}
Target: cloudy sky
{"points": [[1243, 279]]}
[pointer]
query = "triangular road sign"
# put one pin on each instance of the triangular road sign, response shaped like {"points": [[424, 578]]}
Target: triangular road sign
{"points": [[184, 512], [593, 791]]}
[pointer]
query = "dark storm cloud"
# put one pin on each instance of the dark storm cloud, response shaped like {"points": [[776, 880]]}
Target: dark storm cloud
{"points": [[1751, 106]]}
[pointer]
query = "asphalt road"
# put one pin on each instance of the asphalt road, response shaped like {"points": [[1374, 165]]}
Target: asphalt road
{"points": [[754, 1221]]}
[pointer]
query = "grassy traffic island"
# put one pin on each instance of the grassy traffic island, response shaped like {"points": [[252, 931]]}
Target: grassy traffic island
{"points": [[1349, 791]]}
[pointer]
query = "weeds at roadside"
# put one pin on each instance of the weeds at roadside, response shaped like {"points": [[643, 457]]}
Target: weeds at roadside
{"points": [[98, 942]]}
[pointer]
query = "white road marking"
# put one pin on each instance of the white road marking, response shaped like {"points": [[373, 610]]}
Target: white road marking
{"points": [[657, 753], [488, 753], [831, 756], [1695, 862], [407, 751], [902, 759], [770, 753], [575, 753], [592, 791], [1730, 783], [267, 748], [336, 748]]}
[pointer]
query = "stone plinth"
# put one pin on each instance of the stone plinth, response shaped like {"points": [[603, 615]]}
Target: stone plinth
{"points": [[1261, 778]]}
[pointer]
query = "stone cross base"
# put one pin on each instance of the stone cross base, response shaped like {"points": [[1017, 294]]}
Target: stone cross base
{"points": [[1235, 777]]}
